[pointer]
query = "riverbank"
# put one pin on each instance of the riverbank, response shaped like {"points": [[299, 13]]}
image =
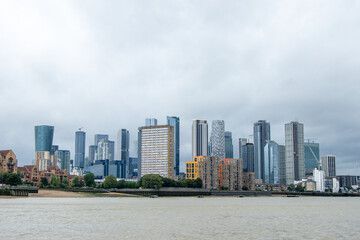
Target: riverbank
{"points": [[49, 193]]}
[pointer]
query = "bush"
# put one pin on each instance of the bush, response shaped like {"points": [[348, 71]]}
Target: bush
{"points": [[13, 179], [110, 182]]}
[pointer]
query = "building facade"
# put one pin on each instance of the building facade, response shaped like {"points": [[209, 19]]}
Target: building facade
{"points": [[209, 171], [312, 156], [199, 138], [63, 159], [122, 151], [247, 154], [80, 149], [99, 137], [282, 165], [175, 123], [271, 160], [229, 148], [156, 151], [231, 173], [8, 161], [150, 122], [294, 152], [328, 163], [261, 135], [218, 139], [105, 150], [242, 142], [43, 143]]}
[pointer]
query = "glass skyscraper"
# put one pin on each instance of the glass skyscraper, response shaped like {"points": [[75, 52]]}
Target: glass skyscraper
{"points": [[123, 145], [247, 154], [150, 122], [218, 139], [261, 135], [229, 148], [99, 137], [63, 159], [312, 156], [200, 140], [79, 149], [43, 138], [175, 122], [271, 162]]}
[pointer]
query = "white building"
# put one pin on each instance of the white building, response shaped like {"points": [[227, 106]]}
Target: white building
{"points": [[218, 139], [335, 185], [319, 178]]}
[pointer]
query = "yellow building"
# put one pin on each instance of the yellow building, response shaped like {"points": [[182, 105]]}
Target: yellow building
{"points": [[192, 170], [8, 161], [205, 168]]}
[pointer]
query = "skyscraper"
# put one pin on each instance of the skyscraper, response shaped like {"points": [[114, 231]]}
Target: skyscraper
{"points": [[156, 151], [261, 134], [150, 122], [242, 142], [247, 154], [43, 143], [92, 153], [282, 165], [175, 123], [105, 150], [294, 152], [79, 149], [229, 148], [123, 145], [329, 165], [271, 162], [218, 139], [199, 138], [99, 137], [63, 159], [312, 156]]}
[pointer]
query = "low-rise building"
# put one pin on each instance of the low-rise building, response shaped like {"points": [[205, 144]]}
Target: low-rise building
{"points": [[249, 180], [8, 162]]}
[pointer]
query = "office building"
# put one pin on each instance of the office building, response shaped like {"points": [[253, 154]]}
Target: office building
{"points": [[329, 165], [271, 162], [123, 145], [312, 156], [242, 142], [261, 135], [175, 123], [247, 154], [63, 159], [133, 166], [199, 138], [282, 165], [319, 178], [294, 152], [43, 142], [156, 151], [231, 173], [150, 122], [99, 137], [218, 139], [105, 150], [92, 153], [79, 149], [229, 148]]}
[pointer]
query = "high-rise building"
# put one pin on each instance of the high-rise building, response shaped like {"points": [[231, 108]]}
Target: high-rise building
{"points": [[123, 145], [105, 150], [199, 138], [247, 154], [282, 165], [63, 159], [175, 122], [43, 143], [218, 139], [271, 160], [294, 152], [79, 149], [242, 142], [206, 168], [99, 137], [229, 148], [312, 156], [329, 165], [156, 151], [231, 173], [319, 178], [261, 135], [150, 122], [92, 153]]}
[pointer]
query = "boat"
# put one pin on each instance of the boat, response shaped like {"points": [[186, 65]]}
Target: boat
{"points": [[153, 196]]}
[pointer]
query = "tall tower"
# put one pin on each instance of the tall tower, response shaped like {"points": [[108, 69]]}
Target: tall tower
{"points": [[271, 159], [218, 139], [229, 148], [122, 150], [294, 152], [199, 138], [79, 149], [43, 142], [312, 156], [329, 165], [175, 123], [261, 135], [150, 122]]}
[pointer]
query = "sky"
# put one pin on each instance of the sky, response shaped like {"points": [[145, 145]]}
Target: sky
{"points": [[106, 65]]}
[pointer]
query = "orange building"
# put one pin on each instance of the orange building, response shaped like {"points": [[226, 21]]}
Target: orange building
{"points": [[8, 161], [231, 173], [29, 174]]}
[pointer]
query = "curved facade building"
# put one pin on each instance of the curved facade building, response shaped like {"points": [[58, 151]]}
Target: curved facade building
{"points": [[43, 138]]}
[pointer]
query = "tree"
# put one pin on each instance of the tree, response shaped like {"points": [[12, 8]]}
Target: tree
{"points": [[110, 182], [121, 184], [299, 188], [198, 183], [132, 184], [81, 183], [89, 179], [167, 182], [75, 182], [3, 175], [13, 179], [55, 182], [151, 181], [291, 188], [64, 183], [43, 183]]}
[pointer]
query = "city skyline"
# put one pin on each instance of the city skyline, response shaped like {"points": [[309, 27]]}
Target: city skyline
{"points": [[69, 60]]}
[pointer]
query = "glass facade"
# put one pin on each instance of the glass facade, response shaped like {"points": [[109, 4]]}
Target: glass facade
{"points": [[63, 159], [150, 122], [229, 148], [247, 154], [312, 156], [200, 142], [271, 162], [43, 138], [123, 144], [79, 149], [261, 135], [175, 122]]}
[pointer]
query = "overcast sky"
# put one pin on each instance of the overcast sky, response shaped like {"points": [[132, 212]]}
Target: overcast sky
{"points": [[105, 65]]}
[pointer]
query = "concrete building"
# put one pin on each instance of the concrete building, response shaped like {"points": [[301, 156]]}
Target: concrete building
{"points": [[43, 142], [271, 163], [319, 178], [218, 139], [192, 169], [175, 123], [294, 152], [150, 122], [208, 171], [80, 149], [92, 153], [261, 135], [8, 161], [247, 154], [335, 185], [231, 173], [249, 181], [105, 150], [123, 145], [347, 180], [199, 138], [328, 164], [156, 151], [312, 156], [282, 165], [229, 148]]}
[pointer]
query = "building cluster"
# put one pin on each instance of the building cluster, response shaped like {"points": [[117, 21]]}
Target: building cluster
{"points": [[261, 161]]}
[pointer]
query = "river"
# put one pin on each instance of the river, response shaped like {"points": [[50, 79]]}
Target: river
{"points": [[180, 218]]}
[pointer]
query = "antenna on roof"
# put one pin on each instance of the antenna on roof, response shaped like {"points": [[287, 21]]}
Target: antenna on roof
{"points": [[81, 128]]}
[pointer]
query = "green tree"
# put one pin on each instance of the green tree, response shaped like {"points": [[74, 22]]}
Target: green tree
{"points": [[3, 175], [81, 183], [121, 184], [198, 183], [64, 183], [151, 181], [13, 179], [132, 184], [291, 187], [75, 182], [110, 182], [55, 182], [44, 183], [299, 188], [181, 183], [167, 182], [89, 179]]}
